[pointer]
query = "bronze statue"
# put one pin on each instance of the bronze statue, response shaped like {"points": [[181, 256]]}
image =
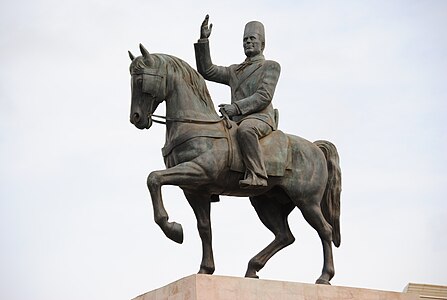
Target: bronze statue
{"points": [[203, 158], [252, 84]]}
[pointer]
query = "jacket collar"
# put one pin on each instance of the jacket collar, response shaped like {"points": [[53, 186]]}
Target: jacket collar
{"points": [[256, 58]]}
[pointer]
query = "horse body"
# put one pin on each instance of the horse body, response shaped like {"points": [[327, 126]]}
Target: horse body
{"points": [[196, 157]]}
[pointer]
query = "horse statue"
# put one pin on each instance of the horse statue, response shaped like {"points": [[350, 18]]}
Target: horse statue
{"points": [[199, 154]]}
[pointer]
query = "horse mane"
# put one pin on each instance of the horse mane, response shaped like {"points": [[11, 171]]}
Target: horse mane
{"points": [[173, 64]]}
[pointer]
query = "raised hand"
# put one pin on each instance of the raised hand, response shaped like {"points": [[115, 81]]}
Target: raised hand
{"points": [[205, 30]]}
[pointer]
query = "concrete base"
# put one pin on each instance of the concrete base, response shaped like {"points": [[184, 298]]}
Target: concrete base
{"points": [[212, 287]]}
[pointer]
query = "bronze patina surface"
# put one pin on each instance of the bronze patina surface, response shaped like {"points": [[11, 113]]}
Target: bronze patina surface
{"points": [[201, 148]]}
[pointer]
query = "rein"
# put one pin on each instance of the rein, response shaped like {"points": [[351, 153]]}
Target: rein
{"points": [[192, 121]]}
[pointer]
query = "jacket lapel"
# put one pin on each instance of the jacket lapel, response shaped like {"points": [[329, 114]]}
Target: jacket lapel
{"points": [[248, 72]]}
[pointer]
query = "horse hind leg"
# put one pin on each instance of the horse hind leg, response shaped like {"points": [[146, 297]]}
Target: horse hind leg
{"points": [[313, 215], [273, 215], [200, 204]]}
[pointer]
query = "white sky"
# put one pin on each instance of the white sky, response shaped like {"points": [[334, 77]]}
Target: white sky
{"points": [[75, 215]]}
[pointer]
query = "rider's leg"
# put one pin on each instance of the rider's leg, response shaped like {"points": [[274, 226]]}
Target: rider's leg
{"points": [[248, 134]]}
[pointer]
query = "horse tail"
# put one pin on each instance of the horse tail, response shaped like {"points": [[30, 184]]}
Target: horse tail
{"points": [[330, 204]]}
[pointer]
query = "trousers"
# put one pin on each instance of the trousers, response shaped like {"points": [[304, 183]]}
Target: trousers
{"points": [[248, 134]]}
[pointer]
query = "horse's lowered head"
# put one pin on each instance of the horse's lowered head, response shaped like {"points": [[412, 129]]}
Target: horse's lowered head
{"points": [[148, 85]]}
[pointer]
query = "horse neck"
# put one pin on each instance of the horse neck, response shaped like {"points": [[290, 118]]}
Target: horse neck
{"points": [[183, 103]]}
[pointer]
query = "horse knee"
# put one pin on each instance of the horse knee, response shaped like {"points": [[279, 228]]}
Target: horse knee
{"points": [[153, 180], [285, 239], [315, 218], [326, 233], [203, 226]]}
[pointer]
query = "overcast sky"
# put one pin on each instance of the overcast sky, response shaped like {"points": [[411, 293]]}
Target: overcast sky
{"points": [[75, 215]]}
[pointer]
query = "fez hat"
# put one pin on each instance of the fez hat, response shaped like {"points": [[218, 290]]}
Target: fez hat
{"points": [[255, 27]]}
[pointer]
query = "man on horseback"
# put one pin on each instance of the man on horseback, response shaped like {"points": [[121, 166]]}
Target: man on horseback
{"points": [[252, 84]]}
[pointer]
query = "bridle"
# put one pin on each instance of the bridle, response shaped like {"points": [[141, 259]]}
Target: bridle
{"points": [[224, 117], [159, 88]]}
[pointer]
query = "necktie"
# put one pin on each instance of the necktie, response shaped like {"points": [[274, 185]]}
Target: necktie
{"points": [[243, 65]]}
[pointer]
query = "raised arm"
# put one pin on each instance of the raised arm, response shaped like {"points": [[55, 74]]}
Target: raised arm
{"points": [[205, 66]]}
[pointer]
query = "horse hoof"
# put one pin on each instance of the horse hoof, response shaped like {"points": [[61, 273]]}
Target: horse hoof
{"points": [[174, 231], [206, 270], [322, 281], [251, 275]]}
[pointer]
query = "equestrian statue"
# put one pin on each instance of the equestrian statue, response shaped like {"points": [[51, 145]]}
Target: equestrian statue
{"points": [[239, 153]]}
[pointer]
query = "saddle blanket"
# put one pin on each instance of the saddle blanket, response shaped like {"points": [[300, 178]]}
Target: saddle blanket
{"points": [[275, 151]]}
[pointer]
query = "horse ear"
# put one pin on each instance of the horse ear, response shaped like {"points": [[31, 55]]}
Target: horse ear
{"points": [[144, 51], [132, 57]]}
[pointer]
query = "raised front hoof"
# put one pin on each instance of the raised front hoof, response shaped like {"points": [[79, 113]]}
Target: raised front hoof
{"points": [[322, 281], [174, 231]]}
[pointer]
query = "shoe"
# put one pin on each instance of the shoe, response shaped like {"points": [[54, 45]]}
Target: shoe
{"points": [[253, 182]]}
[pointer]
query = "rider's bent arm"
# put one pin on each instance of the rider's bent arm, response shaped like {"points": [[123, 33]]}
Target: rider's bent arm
{"points": [[205, 66]]}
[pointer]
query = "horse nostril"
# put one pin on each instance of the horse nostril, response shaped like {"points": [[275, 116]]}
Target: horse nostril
{"points": [[135, 118]]}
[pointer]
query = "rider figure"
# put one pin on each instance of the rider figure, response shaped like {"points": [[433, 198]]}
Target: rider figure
{"points": [[252, 86]]}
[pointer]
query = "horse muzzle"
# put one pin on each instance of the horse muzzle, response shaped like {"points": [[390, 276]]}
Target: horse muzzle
{"points": [[140, 121]]}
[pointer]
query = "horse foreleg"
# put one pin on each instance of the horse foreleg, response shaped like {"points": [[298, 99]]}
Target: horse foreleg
{"points": [[200, 204], [178, 175], [314, 217]]}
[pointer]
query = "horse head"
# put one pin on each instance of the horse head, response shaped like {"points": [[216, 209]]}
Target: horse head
{"points": [[148, 85]]}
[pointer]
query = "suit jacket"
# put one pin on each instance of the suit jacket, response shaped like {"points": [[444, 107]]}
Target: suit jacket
{"points": [[252, 83]]}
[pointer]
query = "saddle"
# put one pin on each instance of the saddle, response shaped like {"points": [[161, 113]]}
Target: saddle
{"points": [[275, 149]]}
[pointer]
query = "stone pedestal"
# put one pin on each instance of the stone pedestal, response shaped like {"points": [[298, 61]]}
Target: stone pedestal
{"points": [[212, 287]]}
